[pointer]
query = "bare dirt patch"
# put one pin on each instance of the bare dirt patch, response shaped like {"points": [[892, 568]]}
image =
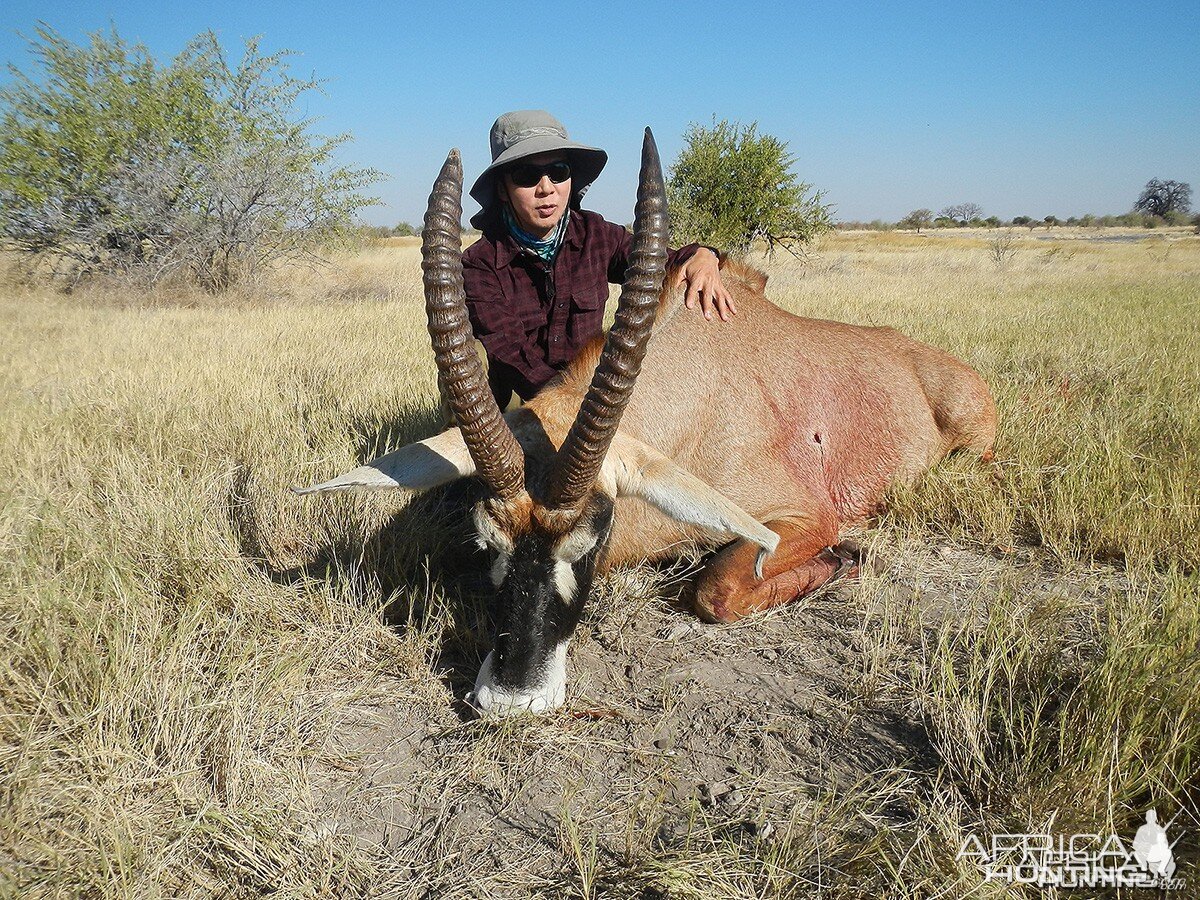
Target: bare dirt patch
{"points": [[669, 721]]}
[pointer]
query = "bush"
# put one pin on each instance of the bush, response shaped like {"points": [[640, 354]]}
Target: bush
{"points": [[731, 186], [114, 163], [1002, 247]]}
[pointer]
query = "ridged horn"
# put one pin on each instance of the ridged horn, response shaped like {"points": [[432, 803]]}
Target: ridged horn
{"points": [[497, 455], [582, 453]]}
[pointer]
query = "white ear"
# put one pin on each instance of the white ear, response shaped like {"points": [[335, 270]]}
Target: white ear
{"points": [[634, 469], [576, 543], [418, 467]]}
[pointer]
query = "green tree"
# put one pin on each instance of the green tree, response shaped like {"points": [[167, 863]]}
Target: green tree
{"points": [[115, 163], [731, 186], [918, 219]]}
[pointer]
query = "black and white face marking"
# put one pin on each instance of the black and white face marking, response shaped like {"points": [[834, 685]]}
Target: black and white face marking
{"points": [[542, 581]]}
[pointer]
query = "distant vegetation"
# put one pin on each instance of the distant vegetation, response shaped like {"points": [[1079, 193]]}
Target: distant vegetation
{"points": [[1165, 198], [379, 232], [1161, 204]]}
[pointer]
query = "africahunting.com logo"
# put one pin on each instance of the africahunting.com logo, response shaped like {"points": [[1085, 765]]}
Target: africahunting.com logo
{"points": [[1079, 860]]}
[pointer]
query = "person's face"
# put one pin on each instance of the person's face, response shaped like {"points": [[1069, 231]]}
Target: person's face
{"points": [[537, 209]]}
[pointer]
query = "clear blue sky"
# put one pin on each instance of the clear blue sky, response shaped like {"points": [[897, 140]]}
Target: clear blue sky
{"points": [[1024, 108]]}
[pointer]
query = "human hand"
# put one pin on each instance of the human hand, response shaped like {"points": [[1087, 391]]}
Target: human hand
{"points": [[702, 275]]}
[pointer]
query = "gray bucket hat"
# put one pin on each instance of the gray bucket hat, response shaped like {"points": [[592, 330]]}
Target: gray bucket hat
{"points": [[528, 132]]}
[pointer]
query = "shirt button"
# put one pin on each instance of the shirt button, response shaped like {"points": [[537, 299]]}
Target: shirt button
{"points": [[561, 305], [556, 339]]}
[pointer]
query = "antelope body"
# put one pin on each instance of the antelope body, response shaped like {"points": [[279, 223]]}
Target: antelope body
{"points": [[788, 417], [772, 430]]}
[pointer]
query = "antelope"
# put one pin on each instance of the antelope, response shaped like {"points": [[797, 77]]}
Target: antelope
{"points": [[766, 434]]}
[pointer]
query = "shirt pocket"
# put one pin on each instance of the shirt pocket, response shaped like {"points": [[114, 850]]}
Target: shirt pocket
{"points": [[587, 313]]}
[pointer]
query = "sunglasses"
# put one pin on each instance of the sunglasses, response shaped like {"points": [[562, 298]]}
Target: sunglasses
{"points": [[527, 175]]}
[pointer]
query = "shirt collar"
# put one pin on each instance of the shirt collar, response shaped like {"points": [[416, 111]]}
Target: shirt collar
{"points": [[507, 248]]}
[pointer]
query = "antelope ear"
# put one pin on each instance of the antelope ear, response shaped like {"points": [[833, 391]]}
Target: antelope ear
{"points": [[634, 469], [418, 467]]}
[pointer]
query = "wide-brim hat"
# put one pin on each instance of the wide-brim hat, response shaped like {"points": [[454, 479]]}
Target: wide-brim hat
{"points": [[528, 132]]}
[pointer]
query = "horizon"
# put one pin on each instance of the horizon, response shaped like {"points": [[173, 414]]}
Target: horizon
{"points": [[1024, 110]]}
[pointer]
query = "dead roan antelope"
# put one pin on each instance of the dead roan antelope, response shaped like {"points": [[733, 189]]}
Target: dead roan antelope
{"points": [[766, 433]]}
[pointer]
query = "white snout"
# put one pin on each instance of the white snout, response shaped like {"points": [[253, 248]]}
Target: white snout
{"points": [[495, 700]]}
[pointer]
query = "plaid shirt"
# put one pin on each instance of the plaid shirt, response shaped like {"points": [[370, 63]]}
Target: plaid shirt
{"points": [[532, 319]]}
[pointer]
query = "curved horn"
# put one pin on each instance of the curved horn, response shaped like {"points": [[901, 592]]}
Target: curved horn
{"points": [[497, 455], [582, 453]]}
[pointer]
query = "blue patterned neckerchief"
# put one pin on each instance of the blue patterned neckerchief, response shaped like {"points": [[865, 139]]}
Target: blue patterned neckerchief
{"points": [[544, 248]]}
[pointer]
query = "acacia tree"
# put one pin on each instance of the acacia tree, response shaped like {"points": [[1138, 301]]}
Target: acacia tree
{"points": [[731, 186], [1161, 198], [918, 219], [114, 163]]}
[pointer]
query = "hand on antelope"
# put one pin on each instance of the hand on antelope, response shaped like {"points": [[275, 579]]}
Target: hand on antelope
{"points": [[702, 275]]}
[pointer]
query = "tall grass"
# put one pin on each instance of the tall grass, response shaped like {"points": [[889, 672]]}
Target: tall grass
{"points": [[178, 633], [161, 695]]}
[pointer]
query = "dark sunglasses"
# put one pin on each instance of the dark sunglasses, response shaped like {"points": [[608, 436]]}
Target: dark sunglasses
{"points": [[527, 175]]}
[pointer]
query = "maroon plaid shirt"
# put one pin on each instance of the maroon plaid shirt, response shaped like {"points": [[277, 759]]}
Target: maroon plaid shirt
{"points": [[533, 319]]}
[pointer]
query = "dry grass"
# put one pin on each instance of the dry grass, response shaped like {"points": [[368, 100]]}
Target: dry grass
{"points": [[181, 640]]}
